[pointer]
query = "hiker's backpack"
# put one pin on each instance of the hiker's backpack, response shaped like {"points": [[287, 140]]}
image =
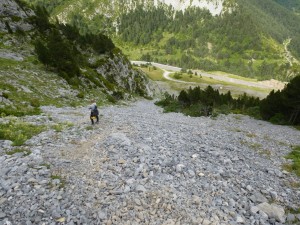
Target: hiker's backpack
{"points": [[95, 111]]}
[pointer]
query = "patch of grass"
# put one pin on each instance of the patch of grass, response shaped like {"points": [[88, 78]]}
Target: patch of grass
{"points": [[89, 128], [282, 143], [177, 76], [46, 165], [220, 73], [53, 177], [62, 181], [238, 117], [19, 132], [265, 152], [61, 126], [153, 73], [19, 150], [293, 211], [295, 157], [19, 111], [295, 184], [236, 89], [255, 146], [251, 135], [237, 130]]}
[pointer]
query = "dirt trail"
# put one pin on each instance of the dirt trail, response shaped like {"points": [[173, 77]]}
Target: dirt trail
{"points": [[269, 84]]}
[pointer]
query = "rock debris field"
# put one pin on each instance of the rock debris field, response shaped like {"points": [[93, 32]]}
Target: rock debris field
{"points": [[142, 166]]}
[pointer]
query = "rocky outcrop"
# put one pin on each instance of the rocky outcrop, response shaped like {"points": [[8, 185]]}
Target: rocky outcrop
{"points": [[14, 16], [118, 70]]}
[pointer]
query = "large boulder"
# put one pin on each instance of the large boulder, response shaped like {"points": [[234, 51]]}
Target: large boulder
{"points": [[273, 211]]}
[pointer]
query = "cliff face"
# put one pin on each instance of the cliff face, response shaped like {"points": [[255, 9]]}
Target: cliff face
{"points": [[119, 71]]}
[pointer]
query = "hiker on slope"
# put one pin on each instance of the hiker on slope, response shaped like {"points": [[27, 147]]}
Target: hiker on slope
{"points": [[94, 112]]}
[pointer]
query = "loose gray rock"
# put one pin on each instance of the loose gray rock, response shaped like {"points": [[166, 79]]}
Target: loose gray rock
{"points": [[273, 211], [142, 166]]}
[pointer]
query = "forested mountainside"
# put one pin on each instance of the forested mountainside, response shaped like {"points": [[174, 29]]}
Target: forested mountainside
{"points": [[44, 63], [250, 38], [290, 4]]}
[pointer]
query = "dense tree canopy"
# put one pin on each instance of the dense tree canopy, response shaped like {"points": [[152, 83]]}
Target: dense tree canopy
{"points": [[60, 46], [283, 106]]}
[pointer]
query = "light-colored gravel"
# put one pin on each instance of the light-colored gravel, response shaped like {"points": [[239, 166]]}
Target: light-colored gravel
{"points": [[141, 166]]}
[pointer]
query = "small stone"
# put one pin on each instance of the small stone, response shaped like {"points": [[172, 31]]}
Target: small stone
{"points": [[127, 189], [290, 217], [2, 200], [249, 188], [169, 222], [254, 210], [2, 215], [263, 215], [205, 222], [258, 198], [195, 156], [274, 195], [240, 219], [102, 215], [273, 211], [130, 181], [137, 201], [196, 200], [227, 161], [191, 173], [61, 220], [179, 167], [140, 188], [122, 161], [232, 202]]}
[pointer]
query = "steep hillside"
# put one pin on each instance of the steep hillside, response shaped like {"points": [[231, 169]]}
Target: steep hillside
{"points": [[44, 63], [248, 38], [141, 166], [290, 5]]}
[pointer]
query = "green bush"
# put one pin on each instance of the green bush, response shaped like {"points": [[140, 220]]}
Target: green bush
{"points": [[283, 107], [19, 111], [194, 110], [209, 102], [278, 118], [295, 156], [5, 95], [35, 102], [111, 99], [80, 95], [177, 76], [19, 132], [19, 150]]}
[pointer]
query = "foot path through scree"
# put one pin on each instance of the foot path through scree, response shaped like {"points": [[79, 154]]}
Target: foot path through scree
{"points": [[142, 166]]}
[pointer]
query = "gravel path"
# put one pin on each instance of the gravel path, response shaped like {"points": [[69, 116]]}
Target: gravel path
{"points": [[224, 77], [141, 166]]}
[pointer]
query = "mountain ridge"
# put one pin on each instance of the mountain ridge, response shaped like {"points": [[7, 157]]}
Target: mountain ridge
{"points": [[245, 37]]}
